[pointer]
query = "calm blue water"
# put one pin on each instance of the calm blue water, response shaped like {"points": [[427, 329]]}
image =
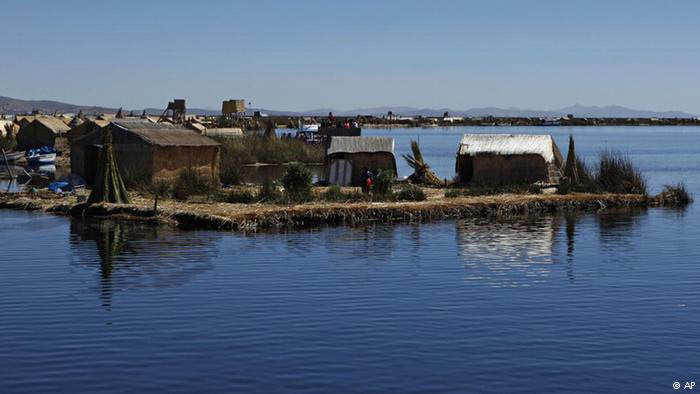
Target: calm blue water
{"points": [[600, 302]]}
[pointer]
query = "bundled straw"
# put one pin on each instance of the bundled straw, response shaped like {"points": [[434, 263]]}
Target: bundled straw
{"points": [[571, 169], [421, 170], [109, 186]]}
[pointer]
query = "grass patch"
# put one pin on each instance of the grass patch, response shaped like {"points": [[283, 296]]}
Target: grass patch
{"points": [[335, 194], [297, 183], [454, 193], [241, 197], [383, 186], [411, 193], [269, 192], [493, 189], [190, 182]]}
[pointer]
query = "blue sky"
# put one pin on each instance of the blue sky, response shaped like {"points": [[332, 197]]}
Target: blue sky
{"points": [[298, 55]]}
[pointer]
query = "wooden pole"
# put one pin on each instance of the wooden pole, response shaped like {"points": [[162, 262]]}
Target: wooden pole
{"points": [[7, 164]]}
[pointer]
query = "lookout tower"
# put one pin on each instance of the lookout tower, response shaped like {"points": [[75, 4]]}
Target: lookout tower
{"points": [[233, 108], [176, 109]]}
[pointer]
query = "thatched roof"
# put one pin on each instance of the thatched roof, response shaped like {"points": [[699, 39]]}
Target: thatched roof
{"points": [[509, 144], [198, 127], [54, 124], [224, 132], [163, 134], [360, 145]]}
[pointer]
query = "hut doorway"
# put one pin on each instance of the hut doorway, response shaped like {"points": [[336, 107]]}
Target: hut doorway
{"points": [[340, 172], [92, 155], [466, 169]]}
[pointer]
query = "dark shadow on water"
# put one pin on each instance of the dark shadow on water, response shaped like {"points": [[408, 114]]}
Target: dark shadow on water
{"points": [[129, 256]]}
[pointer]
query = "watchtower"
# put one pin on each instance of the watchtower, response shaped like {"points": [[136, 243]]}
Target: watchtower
{"points": [[176, 109], [233, 108]]}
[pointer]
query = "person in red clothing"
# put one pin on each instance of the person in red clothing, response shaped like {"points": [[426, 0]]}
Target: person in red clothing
{"points": [[368, 180]]}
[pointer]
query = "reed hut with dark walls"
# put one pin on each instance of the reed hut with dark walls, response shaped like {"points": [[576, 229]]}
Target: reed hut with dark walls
{"points": [[147, 151], [508, 159], [85, 127], [347, 158], [43, 131]]}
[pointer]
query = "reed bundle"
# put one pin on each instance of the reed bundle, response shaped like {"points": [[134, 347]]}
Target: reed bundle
{"points": [[421, 171]]}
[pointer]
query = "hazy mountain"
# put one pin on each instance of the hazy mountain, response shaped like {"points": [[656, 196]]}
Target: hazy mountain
{"points": [[14, 106]]}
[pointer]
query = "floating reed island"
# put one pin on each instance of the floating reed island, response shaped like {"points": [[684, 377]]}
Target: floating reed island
{"points": [[261, 215], [166, 173]]}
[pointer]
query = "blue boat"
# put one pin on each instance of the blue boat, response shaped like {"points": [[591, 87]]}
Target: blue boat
{"points": [[43, 155]]}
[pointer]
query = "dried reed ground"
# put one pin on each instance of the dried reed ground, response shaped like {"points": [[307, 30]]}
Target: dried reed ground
{"points": [[216, 215]]}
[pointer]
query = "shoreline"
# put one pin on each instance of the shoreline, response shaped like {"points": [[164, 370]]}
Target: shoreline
{"points": [[254, 217]]}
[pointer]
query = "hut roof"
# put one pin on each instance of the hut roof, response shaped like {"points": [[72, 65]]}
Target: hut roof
{"points": [[224, 131], [198, 127], [360, 145], [509, 144], [163, 134], [75, 122], [54, 124]]}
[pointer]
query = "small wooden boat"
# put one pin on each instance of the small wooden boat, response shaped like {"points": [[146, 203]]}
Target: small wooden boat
{"points": [[12, 156]]}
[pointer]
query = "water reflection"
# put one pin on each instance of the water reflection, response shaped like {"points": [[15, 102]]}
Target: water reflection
{"points": [[10, 186], [508, 253], [371, 242], [131, 256], [522, 251], [617, 225]]}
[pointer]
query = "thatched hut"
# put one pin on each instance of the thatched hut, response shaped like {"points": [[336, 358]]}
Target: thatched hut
{"points": [[85, 127], [508, 159], [347, 158], [147, 151], [43, 131]]}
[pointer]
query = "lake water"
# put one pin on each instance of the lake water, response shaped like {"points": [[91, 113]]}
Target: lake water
{"points": [[588, 303]]}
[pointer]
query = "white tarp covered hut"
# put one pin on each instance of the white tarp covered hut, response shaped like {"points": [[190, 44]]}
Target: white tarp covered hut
{"points": [[508, 158], [347, 158]]}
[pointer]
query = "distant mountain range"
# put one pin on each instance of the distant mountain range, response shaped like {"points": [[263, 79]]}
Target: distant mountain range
{"points": [[14, 106]]}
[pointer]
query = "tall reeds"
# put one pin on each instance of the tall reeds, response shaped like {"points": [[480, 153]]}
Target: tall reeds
{"points": [[252, 149], [617, 174]]}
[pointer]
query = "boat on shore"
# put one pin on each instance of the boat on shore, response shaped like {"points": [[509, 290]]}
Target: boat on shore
{"points": [[12, 156], [40, 156]]}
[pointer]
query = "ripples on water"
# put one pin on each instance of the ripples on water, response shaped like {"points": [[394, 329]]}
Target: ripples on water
{"points": [[602, 302]]}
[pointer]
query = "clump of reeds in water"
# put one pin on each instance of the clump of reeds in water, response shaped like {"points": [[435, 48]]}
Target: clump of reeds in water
{"points": [[675, 195], [617, 174]]}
